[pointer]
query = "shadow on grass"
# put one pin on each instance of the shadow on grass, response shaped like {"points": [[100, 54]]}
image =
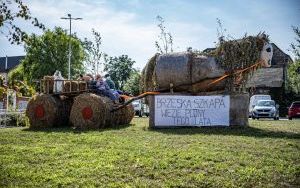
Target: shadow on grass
{"points": [[228, 131], [74, 130]]}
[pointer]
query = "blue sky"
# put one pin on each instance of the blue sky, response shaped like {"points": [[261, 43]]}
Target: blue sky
{"points": [[129, 27]]}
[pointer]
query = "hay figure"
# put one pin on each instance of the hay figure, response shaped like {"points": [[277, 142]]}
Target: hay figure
{"points": [[91, 111], [46, 111], [193, 72], [239, 54], [58, 82]]}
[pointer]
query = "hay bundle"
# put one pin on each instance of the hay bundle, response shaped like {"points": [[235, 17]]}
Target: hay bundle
{"points": [[128, 115], [147, 81], [184, 70], [119, 117], [90, 111], [48, 83], [82, 85], [239, 54], [47, 111], [122, 116], [70, 86], [73, 86]]}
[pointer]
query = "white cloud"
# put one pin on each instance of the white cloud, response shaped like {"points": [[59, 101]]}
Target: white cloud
{"points": [[121, 32], [119, 29]]}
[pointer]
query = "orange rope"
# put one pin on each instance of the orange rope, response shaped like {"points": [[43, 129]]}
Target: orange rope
{"points": [[218, 79], [236, 72], [146, 93]]}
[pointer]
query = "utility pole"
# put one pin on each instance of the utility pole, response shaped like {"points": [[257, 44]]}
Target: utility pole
{"points": [[70, 35]]}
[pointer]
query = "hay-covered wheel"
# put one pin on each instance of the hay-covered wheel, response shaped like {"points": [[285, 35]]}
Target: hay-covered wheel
{"points": [[127, 114], [122, 116], [88, 111], [47, 111]]}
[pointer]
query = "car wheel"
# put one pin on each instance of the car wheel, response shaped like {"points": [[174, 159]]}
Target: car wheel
{"points": [[253, 117], [257, 118], [290, 118], [275, 118]]}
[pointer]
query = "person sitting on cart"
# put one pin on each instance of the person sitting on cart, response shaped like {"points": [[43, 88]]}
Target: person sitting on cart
{"points": [[112, 85], [87, 77], [103, 89]]}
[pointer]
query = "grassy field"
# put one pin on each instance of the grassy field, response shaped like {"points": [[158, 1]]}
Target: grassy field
{"points": [[266, 154]]}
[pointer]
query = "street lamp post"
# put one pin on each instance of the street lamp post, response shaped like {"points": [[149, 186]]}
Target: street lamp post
{"points": [[70, 35]]}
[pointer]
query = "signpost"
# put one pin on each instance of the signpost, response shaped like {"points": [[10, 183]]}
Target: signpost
{"points": [[180, 110]]}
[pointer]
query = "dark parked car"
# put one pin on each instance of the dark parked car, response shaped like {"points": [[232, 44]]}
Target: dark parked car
{"points": [[294, 110]]}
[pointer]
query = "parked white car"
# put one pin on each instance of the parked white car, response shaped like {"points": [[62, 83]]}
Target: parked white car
{"points": [[265, 109], [254, 99], [140, 108]]}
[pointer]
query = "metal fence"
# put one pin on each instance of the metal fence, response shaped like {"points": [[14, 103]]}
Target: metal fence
{"points": [[6, 115]]}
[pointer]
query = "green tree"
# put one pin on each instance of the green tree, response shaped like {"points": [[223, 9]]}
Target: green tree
{"points": [[49, 52], [93, 53], [294, 76], [294, 68], [119, 69], [133, 83], [16, 74], [296, 46], [12, 12]]}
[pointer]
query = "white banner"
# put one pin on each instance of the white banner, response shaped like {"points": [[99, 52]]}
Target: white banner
{"points": [[171, 110]]}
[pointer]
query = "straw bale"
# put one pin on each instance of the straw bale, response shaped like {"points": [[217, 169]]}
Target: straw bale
{"points": [[75, 86], [88, 111], [44, 110], [148, 77], [91, 111], [48, 83]]}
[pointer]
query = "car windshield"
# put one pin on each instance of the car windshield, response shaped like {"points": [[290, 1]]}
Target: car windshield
{"points": [[265, 103]]}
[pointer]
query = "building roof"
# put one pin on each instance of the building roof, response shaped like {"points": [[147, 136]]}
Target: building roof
{"points": [[266, 77], [12, 62], [279, 58]]}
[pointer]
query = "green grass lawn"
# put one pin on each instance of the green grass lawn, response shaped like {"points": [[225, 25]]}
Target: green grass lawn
{"points": [[265, 154]]}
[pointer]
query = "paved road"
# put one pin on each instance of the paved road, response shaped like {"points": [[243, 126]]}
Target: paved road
{"points": [[281, 119]]}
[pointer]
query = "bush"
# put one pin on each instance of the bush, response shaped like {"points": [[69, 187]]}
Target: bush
{"points": [[14, 120]]}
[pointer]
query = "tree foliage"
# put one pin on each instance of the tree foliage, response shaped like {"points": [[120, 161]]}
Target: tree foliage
{"points": [[93, 53], [120, 69], [296, 46], [49, 52], [294, 76], [294, 68], [16, 74], [164, 44], [133, 83], [12, 11]]}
